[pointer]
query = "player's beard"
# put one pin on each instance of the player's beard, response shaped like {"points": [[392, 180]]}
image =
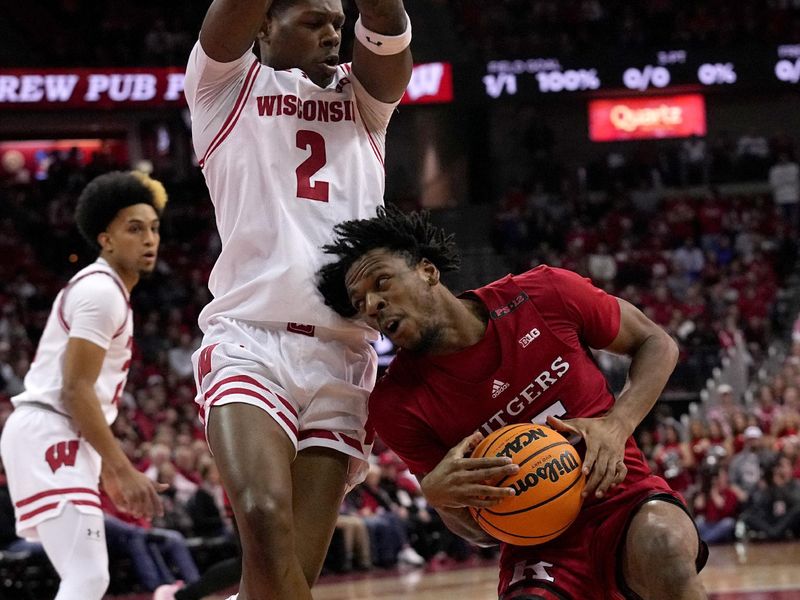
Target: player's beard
{"points": [[146, 274], [428, 340]]}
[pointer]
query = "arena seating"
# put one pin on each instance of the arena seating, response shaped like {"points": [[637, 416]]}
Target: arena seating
{"points": [[709, 266]]}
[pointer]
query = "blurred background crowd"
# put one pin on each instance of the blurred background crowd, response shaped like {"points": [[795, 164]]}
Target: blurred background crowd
{"points": [[96, 32]]}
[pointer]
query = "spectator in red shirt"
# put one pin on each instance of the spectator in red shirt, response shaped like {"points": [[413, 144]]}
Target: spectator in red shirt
{"points": [[716, 506], [674, 459], [710, 214], [723, 409], [660, 305], [766, 409], [699, 443], [681, 218], [694, 304], [739, 424], [786, 428]]}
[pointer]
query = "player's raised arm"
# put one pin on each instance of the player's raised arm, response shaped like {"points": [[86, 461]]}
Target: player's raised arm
{"points": [[231, 26], [381, 54]]}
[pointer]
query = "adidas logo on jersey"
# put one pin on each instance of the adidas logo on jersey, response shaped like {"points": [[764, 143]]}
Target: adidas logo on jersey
{"points": [[498, 387]]}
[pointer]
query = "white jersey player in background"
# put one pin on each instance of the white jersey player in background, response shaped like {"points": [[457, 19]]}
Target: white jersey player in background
{"points": [[289, 145], [58, 443]]}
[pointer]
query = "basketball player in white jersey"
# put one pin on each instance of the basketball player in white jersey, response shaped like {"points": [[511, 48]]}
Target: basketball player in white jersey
{"points": [[58, 443], [289, 145]]}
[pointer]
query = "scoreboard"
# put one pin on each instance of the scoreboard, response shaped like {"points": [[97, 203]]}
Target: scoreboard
{"points": [[653, 71]]}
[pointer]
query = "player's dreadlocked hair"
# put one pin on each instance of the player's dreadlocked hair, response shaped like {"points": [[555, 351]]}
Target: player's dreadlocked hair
{"points": [[412, 235], [108, 194]]}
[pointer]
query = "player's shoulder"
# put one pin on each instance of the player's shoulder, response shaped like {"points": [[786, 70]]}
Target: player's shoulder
{"points": [[545, 277], [96, 285], [199, 60], [541, 273], [529, 281], [398, 388]]}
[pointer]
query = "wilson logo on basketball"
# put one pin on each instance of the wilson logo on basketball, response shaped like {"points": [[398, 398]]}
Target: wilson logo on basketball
{"points": [[552, 470], [62, 454], [519, 442]]}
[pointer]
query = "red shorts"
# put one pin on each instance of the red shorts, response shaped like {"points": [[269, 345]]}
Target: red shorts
{"points": [[582, 563]]}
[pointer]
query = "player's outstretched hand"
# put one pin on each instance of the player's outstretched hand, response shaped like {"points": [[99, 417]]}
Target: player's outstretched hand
{"points": [[133, 492], [459, 481], [604, 463]]}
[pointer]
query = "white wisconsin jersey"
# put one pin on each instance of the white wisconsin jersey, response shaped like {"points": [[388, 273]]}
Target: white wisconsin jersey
{"points": [[94, 306], [285, 161]]}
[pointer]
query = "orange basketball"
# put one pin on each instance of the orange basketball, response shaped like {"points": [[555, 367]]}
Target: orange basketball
{"points": [[548, 485]]}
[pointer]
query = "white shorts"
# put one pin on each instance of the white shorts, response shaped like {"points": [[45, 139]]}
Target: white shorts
{"points": [[313, 383], [48, 465]]}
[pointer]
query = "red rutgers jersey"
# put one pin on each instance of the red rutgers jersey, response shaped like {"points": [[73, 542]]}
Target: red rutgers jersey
{"points": [[533, 362]]}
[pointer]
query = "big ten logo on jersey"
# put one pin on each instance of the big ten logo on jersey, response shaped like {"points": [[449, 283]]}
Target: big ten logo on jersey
{"points": [[538, 570], [62, 454], [526, 339], [511, 412]]}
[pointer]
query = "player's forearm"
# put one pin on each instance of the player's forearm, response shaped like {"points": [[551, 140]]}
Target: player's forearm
{"points": [[460, 522], [387, 17], [230, 27], [83, 406], [651, 366]]}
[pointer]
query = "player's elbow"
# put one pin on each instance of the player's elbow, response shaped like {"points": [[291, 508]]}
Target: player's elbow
{"points": [[485, 542], [73, 391], [669, 348]]}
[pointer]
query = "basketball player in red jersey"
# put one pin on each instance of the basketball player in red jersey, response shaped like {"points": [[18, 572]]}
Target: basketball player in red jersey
{"points": [[290, 144], [514, 351]]}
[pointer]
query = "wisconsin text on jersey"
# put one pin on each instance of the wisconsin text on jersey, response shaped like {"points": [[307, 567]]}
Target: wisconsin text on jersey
{"points": [[290, 105]]}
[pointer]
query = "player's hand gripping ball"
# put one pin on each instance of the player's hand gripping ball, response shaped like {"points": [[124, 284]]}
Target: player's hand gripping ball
{"points": [[547, 486]]}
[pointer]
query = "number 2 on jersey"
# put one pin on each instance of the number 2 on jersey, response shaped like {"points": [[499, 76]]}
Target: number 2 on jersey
{"points": [[309, 167]]}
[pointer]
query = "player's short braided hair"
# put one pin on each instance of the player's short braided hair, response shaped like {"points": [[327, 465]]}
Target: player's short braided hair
{"points": [[279, 6], [108, 194], [411, 235]]}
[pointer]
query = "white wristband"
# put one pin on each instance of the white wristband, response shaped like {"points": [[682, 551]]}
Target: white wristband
{"points": [[384, 45]]}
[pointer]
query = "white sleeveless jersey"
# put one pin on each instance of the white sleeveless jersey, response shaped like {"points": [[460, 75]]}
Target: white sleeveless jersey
{"points": [[94, 306], [285, 161]]}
